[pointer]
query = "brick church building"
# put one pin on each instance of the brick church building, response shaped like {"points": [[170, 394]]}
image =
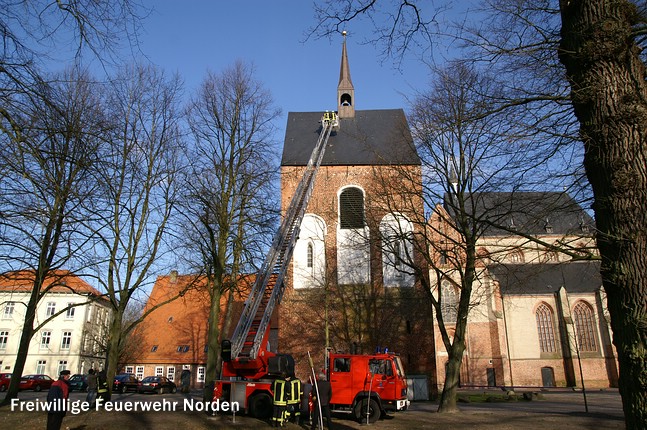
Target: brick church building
{"points": [[348, 289]]}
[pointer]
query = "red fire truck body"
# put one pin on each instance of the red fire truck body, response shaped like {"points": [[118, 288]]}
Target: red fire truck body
{"points": [[367, 385]]}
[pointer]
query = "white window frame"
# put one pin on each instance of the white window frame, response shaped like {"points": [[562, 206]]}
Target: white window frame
{"points": [[69, 315], [62, 365], [45, 339], [201, 374], [159, 370], [4, 339], [170, 373], [130, 369], [139, 372], [51, 309], [40, 366], [66, 340], [9, 308]]}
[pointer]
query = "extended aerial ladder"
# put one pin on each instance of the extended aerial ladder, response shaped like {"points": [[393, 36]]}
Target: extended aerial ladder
{"points": [[248, 353]]}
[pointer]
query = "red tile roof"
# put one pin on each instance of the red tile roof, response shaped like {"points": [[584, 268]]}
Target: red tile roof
{"points": [[176, 332], [57, 281]]}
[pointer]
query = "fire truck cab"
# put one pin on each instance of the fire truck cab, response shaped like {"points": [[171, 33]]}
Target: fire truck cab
{"points": [[367, 386]]}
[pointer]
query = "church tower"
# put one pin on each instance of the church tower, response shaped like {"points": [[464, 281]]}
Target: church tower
{"points": [[358, 228], [345, 89]]}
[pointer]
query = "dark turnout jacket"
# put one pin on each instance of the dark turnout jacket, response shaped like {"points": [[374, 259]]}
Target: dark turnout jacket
{"points": [[325, 392]]}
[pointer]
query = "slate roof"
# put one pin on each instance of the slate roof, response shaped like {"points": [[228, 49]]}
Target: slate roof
{"points": [[547, 278], [534, 213], [372, 137]]}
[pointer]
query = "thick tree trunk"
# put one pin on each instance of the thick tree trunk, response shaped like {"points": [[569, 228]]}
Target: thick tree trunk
{"points": [[213, 345], [452, 379], [26, 335], [609, 96], [21, 356], [112, 355]]}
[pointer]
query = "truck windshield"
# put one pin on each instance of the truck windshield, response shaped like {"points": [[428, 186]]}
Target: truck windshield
{"points": [[380, 367], [398, 366]]}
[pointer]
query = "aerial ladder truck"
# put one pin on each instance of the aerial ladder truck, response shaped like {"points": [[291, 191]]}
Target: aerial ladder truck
{"points": [[366, 386], [248, 364]]}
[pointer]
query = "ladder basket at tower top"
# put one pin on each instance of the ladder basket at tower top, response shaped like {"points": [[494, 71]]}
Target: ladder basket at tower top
{"points": [[330, 117]]}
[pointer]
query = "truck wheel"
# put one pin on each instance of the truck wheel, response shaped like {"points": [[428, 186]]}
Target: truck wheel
{"points": [[364, 407], [260, 405]]}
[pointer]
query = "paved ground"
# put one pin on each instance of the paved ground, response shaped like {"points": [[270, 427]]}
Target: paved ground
{"points": [[558, 409]]}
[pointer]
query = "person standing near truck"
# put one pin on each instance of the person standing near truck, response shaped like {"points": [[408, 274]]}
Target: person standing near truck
{"points": [[294, 399], [279, 389], [322, 395]]}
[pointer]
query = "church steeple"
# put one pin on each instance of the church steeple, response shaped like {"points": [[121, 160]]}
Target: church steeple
{"points": [[345, 89]]}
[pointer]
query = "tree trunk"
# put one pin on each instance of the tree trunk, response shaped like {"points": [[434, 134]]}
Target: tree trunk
{"points": [[26, 335], [609, 97], [452, 379], [112, 355], [21, 356], [213, 337]]}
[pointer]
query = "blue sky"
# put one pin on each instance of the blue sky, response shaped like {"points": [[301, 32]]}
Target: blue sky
{"points": [[193, 36]]}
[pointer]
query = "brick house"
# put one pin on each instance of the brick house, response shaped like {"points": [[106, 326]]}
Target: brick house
{"points": [[173, 337]]}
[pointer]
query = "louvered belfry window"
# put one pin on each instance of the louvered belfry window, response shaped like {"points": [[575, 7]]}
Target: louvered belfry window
{"points": [[351, 207]]}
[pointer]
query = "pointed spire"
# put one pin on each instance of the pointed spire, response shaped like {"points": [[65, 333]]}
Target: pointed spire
{"points": [[345, 89]]}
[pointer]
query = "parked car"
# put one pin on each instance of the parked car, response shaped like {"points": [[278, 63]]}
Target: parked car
{"points": [[78, 382], [157, 384], [5, 379], [35, 382], [125, 382]]}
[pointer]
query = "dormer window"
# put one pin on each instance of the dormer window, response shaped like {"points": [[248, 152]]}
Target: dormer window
{"points": [[584, 227], [511, 224], [548, 226]]}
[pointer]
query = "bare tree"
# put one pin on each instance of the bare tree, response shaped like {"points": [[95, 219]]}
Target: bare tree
{"points": [[227, 201], [46, 178], [33, 30], [133, 213]]}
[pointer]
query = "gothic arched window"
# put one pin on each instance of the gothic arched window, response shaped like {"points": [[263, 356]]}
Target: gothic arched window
{"points": [[585, 327], [545, 328], [309, 256], [448, 302]]}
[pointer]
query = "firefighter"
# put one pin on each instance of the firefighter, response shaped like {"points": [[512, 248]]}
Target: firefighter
{"points": [[279, 389], [294, 399], [102, 387]]}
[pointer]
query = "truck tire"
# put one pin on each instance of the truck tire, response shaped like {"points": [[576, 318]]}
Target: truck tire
{"points": [[361, 411], [260, 405]]}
